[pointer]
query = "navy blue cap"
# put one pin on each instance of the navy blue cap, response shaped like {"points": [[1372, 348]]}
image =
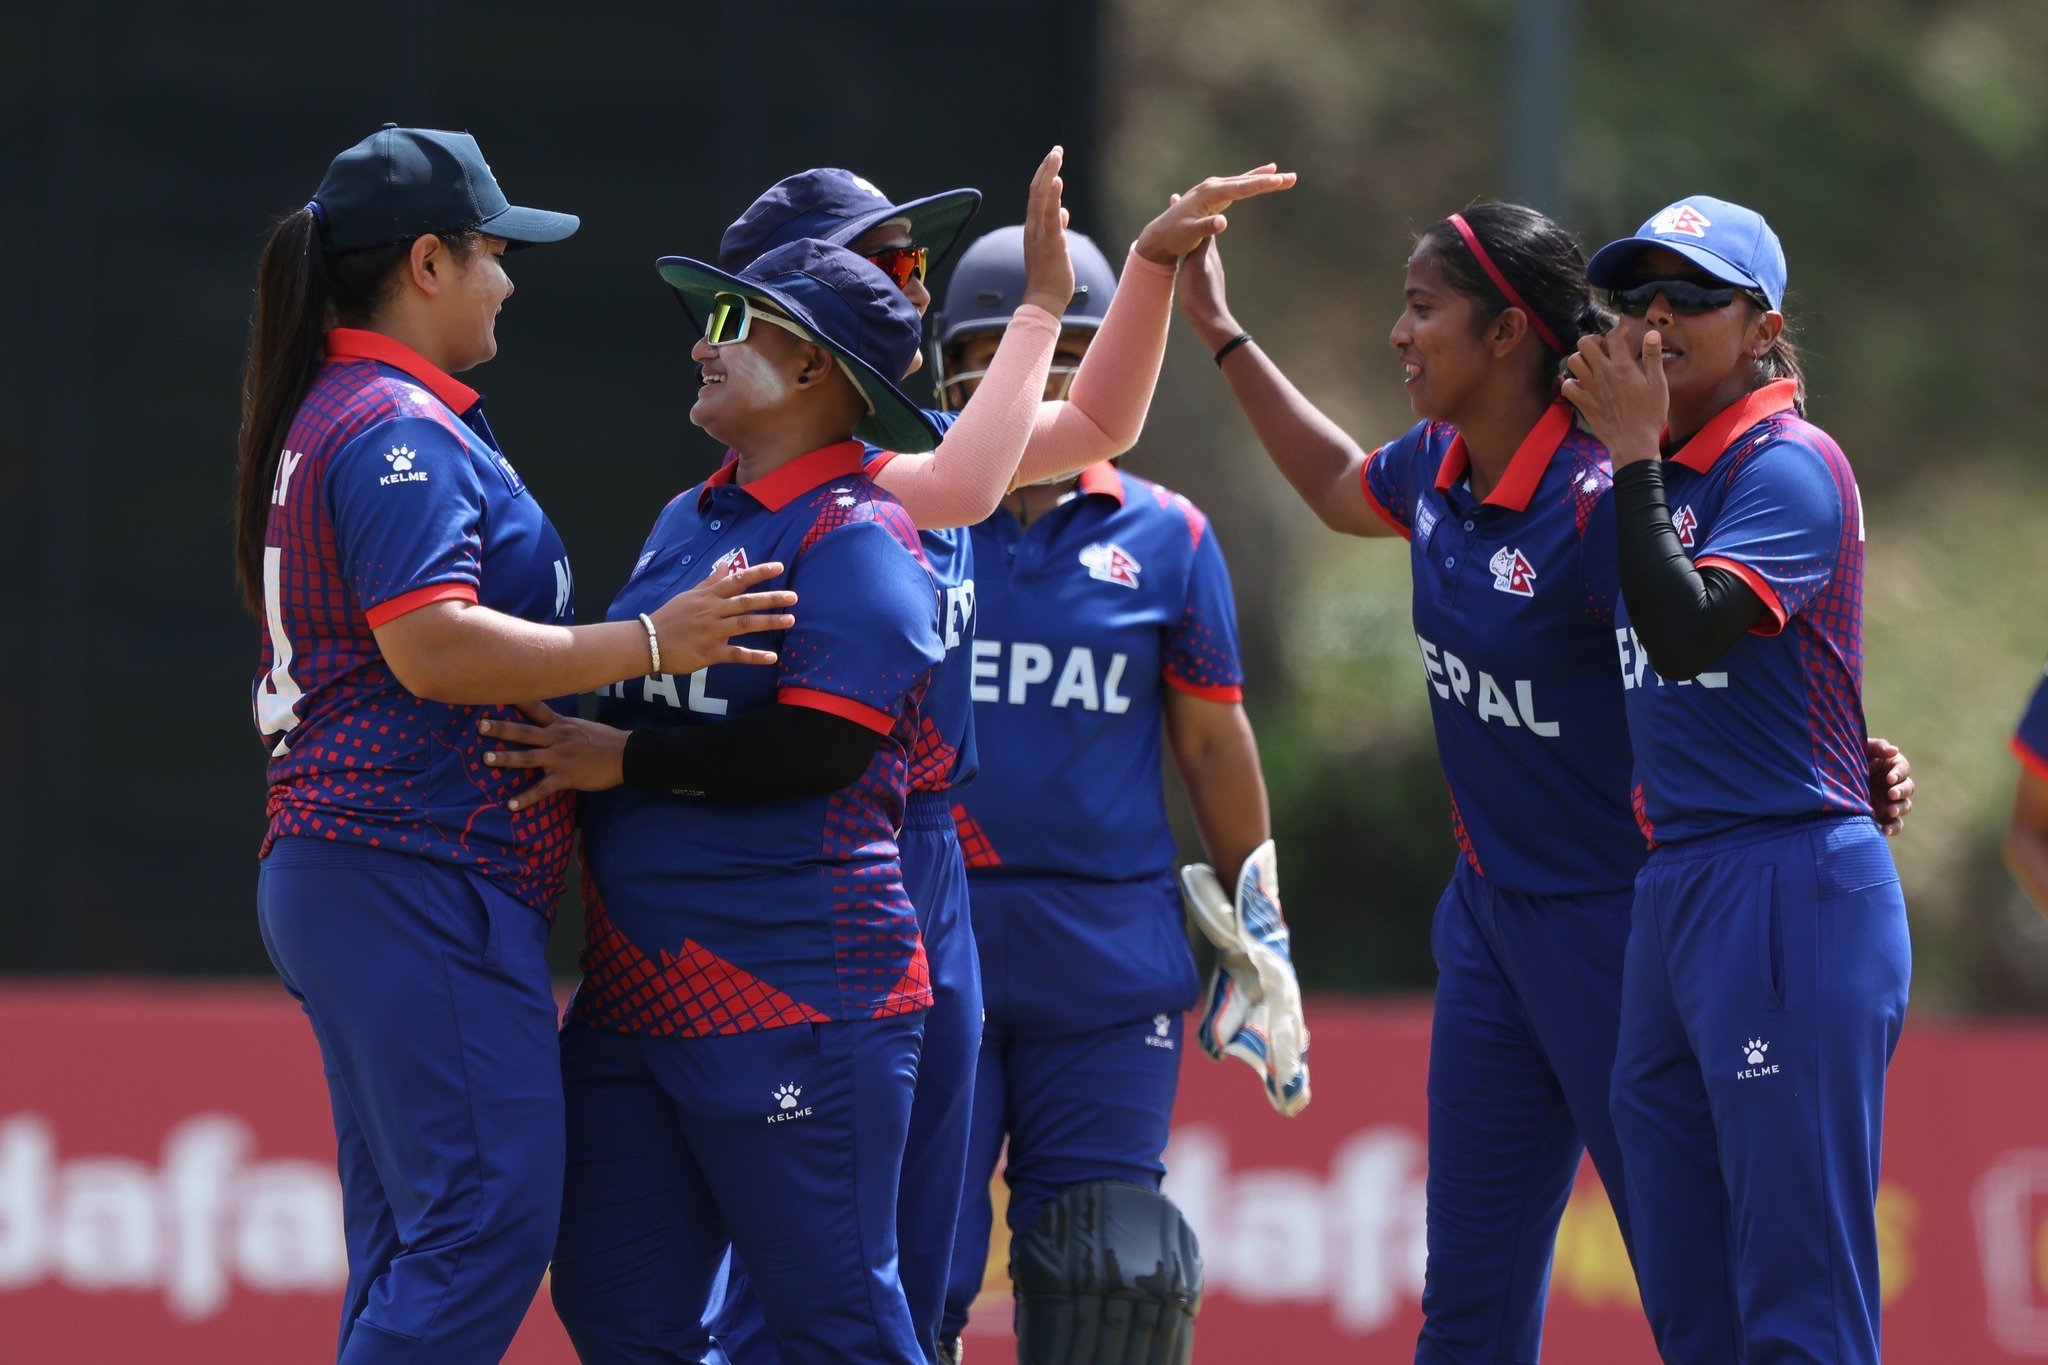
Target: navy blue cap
{"points": [[842, 302], [1726, 240], [399, 183], [838, 206], [989, 283]]}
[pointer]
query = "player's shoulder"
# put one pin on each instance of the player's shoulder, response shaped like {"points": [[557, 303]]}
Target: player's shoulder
{"points": [[1786, 446], [855, 505], [1162, 509]]}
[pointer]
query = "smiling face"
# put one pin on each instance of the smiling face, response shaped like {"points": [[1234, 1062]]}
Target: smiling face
{"points": [[748, 385], [1710, 357], [1445, 359]]}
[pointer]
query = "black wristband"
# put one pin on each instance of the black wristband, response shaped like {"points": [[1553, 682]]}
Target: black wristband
{"points": [[1227, 347]]}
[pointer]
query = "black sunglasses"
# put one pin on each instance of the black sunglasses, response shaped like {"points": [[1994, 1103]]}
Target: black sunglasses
{"points": [[1688, 298]]}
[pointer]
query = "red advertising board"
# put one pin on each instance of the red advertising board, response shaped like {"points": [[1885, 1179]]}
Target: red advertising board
{"points": [[167, 1194]]}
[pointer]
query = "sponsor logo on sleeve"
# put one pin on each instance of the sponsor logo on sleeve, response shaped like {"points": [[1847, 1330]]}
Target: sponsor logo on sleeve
{"points": [[1687, 524], [401, 458]]}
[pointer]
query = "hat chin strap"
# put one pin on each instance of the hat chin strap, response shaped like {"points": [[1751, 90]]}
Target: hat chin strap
{"points": [[776, 320]]}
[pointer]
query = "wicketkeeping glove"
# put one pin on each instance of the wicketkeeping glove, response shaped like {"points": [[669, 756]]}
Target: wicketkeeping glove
{"points": [[1254, 1008]]}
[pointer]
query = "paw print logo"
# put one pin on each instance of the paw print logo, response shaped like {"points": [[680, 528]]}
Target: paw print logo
{"points": [[400, 458], [1754, 1050], [785, 1095]]}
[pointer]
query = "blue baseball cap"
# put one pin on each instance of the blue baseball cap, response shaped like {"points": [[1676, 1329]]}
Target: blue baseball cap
{"points": [[1726, 240], [837, 206], [842, 302], [403, 182]]}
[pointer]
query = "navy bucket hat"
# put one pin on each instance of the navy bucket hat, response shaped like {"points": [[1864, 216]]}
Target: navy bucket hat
{"points": [[843, 303], [404, 182], [837, 206], [1726, 240]]}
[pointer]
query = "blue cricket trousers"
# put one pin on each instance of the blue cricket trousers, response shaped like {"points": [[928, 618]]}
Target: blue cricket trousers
{"points": [[428, 991], [782, 1144], [935, 1152], [1522, 1044], [1764, 993]]}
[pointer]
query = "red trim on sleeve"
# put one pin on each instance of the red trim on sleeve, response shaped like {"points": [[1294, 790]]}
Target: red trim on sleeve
{"points": [[1365, 487], [880, 462], [2031, 761], [1225, 694], [1755, 580], [391, 609], [354, 343], [881, 722]]}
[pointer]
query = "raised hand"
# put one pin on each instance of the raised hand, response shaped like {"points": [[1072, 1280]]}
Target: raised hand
{"points": [[1621, 395], [1201, 295], [1048, 269], [696, 627], [1193, 218]]}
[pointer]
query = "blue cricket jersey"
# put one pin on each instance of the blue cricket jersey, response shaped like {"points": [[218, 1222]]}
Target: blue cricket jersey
{"points": [[944, 756], [712, 916], [2030, 740], [1513, 606], [391, 494], [1086, 616], [1775, 729]]}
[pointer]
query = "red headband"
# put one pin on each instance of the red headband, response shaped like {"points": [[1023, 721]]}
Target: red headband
{"points": [[1500, 282]]}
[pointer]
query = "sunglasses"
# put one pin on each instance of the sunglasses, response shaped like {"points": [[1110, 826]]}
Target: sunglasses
{"points": [[732, 317], [1688, 298], [902, 263]]}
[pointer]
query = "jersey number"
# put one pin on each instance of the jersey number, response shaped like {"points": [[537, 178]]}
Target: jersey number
{"points": [[277, 696]]}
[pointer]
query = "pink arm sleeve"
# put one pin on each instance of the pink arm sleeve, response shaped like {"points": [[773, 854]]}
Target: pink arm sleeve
{"points": [[964, 479], [1105, 410]]}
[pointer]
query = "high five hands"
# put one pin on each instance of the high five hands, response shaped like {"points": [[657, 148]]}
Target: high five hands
{"points": [[1048, 269], [1193, 218]]}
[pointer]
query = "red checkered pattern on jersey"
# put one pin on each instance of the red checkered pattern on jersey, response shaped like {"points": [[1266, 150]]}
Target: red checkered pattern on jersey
{"points": [[880, 954], [976, 849], [1464, 839], [687, 993], [350, 763]]}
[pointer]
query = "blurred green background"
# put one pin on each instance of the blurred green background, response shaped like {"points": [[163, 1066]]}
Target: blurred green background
{"points": [[1901, 151]]}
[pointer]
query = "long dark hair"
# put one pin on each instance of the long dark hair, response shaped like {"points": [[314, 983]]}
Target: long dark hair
{"points": [[1536, 256], [302, 289]]}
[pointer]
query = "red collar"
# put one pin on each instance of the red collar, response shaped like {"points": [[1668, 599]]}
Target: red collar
{"points": [[1728, 424], [784, 486], [1525, 469], [353, 343], [1102, 478]]}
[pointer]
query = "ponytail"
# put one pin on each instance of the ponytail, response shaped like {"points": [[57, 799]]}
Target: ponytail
{"points": [[302, 289], [285, 348]]}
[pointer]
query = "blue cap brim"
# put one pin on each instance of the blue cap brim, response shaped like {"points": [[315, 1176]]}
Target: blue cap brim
{"points": [[1609, 267], [936, 222], [530, 227], [896, 424]]}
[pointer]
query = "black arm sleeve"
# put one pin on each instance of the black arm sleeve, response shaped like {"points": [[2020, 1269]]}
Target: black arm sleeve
{"points": [[1685, 617], [777, 751]]}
